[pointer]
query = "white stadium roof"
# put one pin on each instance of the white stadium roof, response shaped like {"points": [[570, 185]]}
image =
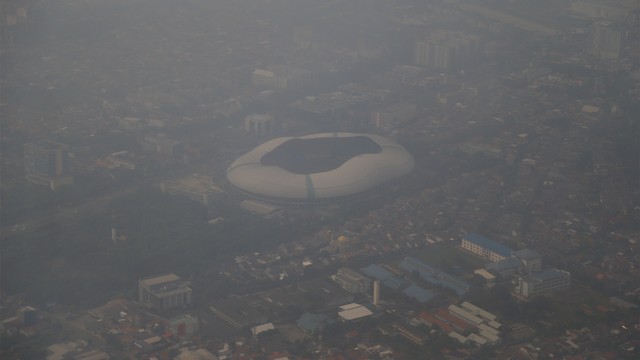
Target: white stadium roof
{"points": [[359, 173]]}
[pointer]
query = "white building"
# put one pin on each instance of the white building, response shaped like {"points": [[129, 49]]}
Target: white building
{"points": [[352, 281], [353, 311], [164, 292], [281, 77], [485, 248], [542, 283], [259, 124]]}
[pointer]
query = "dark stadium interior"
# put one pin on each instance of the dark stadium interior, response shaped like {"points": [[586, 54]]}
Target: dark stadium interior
{"points": [[309, 156]]}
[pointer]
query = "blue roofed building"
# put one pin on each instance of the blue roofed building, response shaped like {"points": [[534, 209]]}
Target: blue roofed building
{"points": [[522, 262], [435, 276], [418, 293], [485, 248], [386, 277]]}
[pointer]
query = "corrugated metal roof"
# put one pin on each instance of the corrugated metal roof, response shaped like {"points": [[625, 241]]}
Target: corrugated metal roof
{"points": [[416, 292], [386, 277], [355, 313], [434, 275]]}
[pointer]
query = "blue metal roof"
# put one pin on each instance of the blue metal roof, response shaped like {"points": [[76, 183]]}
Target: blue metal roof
{"points": [[420, 294], [385, 276], [434, 275], [489, 244]]}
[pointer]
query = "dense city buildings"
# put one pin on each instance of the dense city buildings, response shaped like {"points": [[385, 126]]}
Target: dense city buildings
{"points": [[281, 77], [379, 139], [616, 10], [447, 50]]}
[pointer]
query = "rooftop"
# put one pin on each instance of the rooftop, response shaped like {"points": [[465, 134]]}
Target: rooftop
{"points": [[505, 264], [416, 292], [309, 156], [550, 274], [354, 311], [385, 276], [489, 244], [159, 279], [434, 275], [526, 254], [47, 145]]}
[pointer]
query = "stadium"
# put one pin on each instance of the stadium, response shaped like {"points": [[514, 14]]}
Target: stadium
{"points": [[319, 167]]}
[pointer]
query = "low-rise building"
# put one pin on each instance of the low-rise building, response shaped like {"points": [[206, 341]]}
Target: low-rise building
{"points": [[435, 276], [352, 281], [522, 262], [195, 187], [353, 311], [543, 282], [163, 145], [531, 260], [485, 248]]}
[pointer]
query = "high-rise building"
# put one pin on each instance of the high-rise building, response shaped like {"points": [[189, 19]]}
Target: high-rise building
{"points": [[47, 163], [259, 124], [616, 10], [164, 292], [27, 315], [376, 292], [447, 49], [607, 41]]}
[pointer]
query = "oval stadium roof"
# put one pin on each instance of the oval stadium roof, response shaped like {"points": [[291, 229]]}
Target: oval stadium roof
{"points": [[319, 166]]}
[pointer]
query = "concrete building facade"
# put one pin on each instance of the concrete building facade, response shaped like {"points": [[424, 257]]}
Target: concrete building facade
{"points": [[47, 163], [164, 292], [607, 41], [447, 49], [485, 248], [259, 124], [543, 283], [352, 281]]}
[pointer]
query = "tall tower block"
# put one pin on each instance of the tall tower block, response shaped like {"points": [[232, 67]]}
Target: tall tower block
{"points": [[376, 292]]}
